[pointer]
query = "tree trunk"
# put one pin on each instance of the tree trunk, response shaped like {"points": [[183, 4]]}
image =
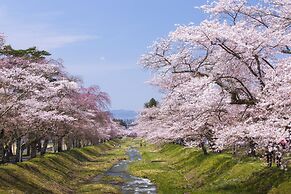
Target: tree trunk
{"points": [[33, 150], [3, 159], [269, 159], [234, 150], [252, 151], [55, 145], [28, 150], [4, 154], [60, 144], [7, 153], [204, 149], [69, 143], [78, 143], [44, 146], [74, 143], [18, 157], [38, 146]]}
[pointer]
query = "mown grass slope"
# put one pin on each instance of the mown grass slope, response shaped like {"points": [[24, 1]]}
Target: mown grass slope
{"points": [[176, 169], [62, 172]]}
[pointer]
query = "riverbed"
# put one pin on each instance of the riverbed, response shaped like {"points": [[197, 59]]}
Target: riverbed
{"points": [[127, 183]]}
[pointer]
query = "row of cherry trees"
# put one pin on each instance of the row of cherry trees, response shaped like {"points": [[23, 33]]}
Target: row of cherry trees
{"points": [[227, 81], [41, 103]]}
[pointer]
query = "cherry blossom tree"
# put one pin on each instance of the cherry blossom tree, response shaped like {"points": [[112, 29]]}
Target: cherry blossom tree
{"points": [[226, 79], [39, 103]]}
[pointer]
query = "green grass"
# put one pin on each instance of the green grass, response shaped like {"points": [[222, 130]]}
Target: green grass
{"points": [[176, 169], [98, 188], [65, 172]]}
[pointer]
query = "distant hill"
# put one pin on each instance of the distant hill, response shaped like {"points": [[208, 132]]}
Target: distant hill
{"points": [[124, 114]]}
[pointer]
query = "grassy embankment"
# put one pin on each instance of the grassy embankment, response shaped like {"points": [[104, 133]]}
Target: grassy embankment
{"points": [[67, 172], [176, 170]]}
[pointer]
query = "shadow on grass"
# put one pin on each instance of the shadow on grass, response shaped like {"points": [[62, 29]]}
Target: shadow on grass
{"points": [[51, 173]]}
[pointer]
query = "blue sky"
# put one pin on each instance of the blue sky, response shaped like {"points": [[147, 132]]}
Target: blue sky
{"points": [[99, 40]]}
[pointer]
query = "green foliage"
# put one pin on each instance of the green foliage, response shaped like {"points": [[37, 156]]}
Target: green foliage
{"points": [[151, 103], [176, 169], [32, 53], [120, 122]]}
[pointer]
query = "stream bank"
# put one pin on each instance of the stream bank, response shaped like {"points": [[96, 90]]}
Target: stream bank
{"points": [[119, 176]]}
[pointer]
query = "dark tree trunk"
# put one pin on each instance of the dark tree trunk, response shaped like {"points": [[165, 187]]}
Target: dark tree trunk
{"points": [[2, 150], [44, 146], [38, 146], [7, 153], [234, 150], [252, 151], [78, 143], [33, 150], [74, 143], [55, 145], [60, 144], [4, 154], [3, 159], [269, 158], [10, 151], [204, 149], [18, 157], [28, 150], [69, 143]]}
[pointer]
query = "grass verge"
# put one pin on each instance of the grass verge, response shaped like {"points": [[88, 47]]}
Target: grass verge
{"points": [[66, 172], [176, 169]]}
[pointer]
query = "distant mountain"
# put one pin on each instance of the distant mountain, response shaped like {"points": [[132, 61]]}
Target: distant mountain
{"points": [[124, 114]]}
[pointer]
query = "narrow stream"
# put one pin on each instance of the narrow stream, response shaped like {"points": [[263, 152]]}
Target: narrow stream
{"points": [[130, 184]]}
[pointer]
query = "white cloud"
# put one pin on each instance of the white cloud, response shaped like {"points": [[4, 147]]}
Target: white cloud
{"points": [[102, 58], [42, 35], [45, 40]]}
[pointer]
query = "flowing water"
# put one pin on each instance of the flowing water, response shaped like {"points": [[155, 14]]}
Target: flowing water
{"points": [[130, 184]]}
